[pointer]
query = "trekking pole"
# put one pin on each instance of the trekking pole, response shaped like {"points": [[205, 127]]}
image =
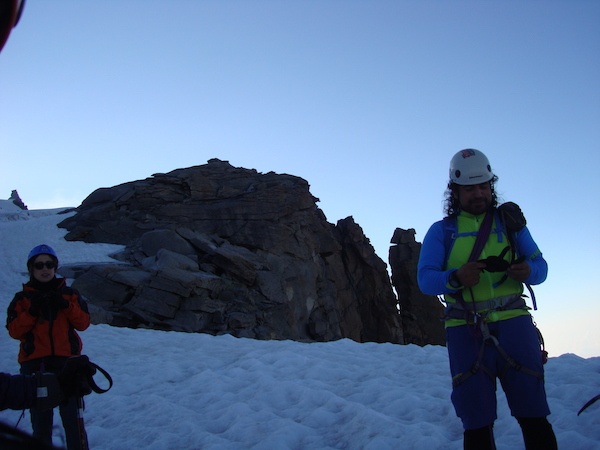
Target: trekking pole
{"points": [[83, 441]]}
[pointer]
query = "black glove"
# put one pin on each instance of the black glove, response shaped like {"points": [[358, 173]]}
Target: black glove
{"points": [[37, 305], [499, 264], [495, 264], [74, 376], [58, 302]]}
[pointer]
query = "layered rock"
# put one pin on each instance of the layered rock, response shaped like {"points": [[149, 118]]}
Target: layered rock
{"points": [[219, 249]]}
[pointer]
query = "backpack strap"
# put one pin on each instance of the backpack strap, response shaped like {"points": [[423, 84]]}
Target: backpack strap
{"points": [[514, 221], [450, 233], [482, 236]]}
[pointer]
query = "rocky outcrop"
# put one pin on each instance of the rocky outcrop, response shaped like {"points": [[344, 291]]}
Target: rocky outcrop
{"points": [[421, 315], [220, 249], [14, 197]]}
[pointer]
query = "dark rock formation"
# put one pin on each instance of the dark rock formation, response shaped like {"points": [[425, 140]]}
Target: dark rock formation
{"points": [[421, 315], [219, 249], [14, 196]]}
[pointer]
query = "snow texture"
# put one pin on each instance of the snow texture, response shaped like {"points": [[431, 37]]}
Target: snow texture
{"points": [[195, 391]]}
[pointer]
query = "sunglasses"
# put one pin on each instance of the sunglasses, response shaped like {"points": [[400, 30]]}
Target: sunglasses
{"points": [[40, 265]]}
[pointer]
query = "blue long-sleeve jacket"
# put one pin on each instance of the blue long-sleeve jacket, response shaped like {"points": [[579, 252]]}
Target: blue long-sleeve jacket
{"points": [[435, 268]]}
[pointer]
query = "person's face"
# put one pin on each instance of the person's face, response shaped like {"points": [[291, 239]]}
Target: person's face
{"points": [[43, 268], [475, 199]]}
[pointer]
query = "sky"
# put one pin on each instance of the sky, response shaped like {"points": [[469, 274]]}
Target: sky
{"points": [[367, 101], [190, 391]]}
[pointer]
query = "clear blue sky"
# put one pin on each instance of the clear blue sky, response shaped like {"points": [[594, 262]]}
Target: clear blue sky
{"points": [[366, 100]]}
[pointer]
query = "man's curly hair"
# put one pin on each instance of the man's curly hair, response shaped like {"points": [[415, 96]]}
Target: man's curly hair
{"points": [[451, 204]]}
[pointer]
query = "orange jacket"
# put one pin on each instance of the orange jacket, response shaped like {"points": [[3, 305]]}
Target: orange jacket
{"points": [[50, 331]]}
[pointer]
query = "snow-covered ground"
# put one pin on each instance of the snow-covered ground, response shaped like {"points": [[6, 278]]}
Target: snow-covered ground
{"points": [[196, 391]]}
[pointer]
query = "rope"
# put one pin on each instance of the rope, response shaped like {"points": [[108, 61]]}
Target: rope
{"points": [[97, 389]]}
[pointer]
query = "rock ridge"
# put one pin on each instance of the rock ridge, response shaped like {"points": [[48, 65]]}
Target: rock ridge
{"points": [[221, 249]]}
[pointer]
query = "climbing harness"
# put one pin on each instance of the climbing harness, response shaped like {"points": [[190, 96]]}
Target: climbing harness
{"points": [[479, 321], [476, 314], [468, 312]]}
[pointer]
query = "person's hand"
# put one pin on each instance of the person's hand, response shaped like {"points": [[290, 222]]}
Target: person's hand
{"points": [[36, 305], [58, 302], [468, 274], [519, 271]]}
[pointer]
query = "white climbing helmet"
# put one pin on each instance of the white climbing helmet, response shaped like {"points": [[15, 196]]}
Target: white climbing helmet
{"points": [[470, 166]]}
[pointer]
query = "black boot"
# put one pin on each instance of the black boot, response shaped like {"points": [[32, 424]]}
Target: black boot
{"points": [[479, 439], [537, 433]]}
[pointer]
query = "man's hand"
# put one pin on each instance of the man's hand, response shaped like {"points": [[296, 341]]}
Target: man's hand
{"points": [[468, 274], [519, 271]]}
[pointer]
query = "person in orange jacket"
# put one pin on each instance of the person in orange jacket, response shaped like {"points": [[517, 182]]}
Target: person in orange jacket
{"points": [[45, 317]]}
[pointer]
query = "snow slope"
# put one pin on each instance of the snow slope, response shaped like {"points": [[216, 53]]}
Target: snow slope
{"points": [[196, 391]]}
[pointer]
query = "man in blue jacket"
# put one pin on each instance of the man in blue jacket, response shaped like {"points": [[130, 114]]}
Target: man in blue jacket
{"points": [[489, 332]]}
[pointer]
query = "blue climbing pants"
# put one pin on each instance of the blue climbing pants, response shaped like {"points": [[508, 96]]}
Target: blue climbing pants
{"points": [[475, 399]]}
